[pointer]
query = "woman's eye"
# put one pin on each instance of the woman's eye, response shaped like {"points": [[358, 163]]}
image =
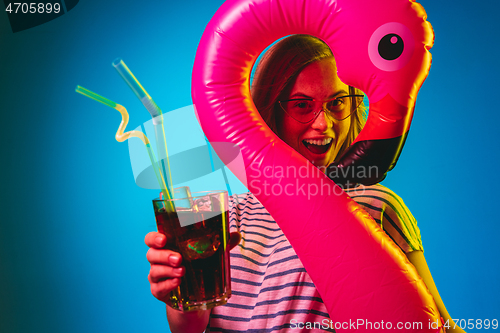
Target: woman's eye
{"points": [[302, 105], [336, 104]]}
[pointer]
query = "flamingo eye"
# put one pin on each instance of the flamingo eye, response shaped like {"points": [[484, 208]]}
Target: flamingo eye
{"points": [[391, 46]]}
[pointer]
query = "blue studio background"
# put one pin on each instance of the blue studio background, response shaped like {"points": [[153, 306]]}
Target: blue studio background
{"points": [[72, 220]]}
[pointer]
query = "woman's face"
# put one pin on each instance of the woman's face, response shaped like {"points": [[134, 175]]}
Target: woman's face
{"points": [[321, 139]]}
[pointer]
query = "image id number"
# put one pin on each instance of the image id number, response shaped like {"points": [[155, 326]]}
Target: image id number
{"points": [[33, 7], [473, 324]]}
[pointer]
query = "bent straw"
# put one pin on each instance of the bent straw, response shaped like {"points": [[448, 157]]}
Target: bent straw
{"points": [[122, 136], [152, 108]]}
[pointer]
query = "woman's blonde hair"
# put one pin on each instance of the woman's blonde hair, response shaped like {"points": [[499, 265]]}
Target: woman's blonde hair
{"points": [[277, 71]]}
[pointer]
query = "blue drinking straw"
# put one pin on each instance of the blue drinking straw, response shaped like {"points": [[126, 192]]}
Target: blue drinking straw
{"points": [[152, 108]]}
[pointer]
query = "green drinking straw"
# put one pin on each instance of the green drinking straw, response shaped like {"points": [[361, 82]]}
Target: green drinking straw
{"points": [[122, 136], [153, 109], [95, 97]]}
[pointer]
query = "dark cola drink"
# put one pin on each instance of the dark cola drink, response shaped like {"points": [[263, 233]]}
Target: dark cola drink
{"points": [[201, 236]]}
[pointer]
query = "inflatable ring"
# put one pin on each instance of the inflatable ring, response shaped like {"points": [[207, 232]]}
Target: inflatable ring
{"points": [[357, 269]]}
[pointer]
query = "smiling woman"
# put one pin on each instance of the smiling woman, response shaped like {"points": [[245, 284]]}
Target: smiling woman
{"points": [[284, 74]]}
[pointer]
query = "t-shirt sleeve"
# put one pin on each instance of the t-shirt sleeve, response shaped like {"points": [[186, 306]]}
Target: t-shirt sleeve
{"points": [[390, 212]]}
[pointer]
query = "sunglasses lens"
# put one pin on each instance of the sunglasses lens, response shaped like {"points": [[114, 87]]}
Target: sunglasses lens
{"points": [[305, 110]]}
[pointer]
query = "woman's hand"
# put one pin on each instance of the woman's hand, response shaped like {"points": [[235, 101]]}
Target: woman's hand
{"points": [[164, 275], [166, 269]]}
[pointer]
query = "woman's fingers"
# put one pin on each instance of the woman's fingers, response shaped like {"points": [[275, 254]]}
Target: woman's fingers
{"points": [[234, 239], [166, 270], [155, 240], [164, 257], [159, 273], [162, 289]]}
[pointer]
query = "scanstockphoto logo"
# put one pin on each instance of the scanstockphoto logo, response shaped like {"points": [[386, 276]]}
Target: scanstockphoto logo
{"points": [[29, 14]]}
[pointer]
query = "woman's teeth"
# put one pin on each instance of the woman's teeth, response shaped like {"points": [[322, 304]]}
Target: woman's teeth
{"points": [[322, 142], [319, 146]]}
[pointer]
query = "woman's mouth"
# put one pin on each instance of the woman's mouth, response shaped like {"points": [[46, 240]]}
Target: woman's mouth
{"points": [[318, 146]]}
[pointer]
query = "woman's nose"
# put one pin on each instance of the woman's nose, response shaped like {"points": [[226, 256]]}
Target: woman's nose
{"points": [[322, 122]]}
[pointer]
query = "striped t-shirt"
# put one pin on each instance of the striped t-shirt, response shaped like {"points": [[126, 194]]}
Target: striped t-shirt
{"points": [[271, 290]]}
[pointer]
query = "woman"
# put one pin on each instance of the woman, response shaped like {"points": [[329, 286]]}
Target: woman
{"points": [[298, 93]]}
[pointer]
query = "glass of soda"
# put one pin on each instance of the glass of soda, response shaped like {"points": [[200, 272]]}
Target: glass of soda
{"points": [[197, 227]]}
